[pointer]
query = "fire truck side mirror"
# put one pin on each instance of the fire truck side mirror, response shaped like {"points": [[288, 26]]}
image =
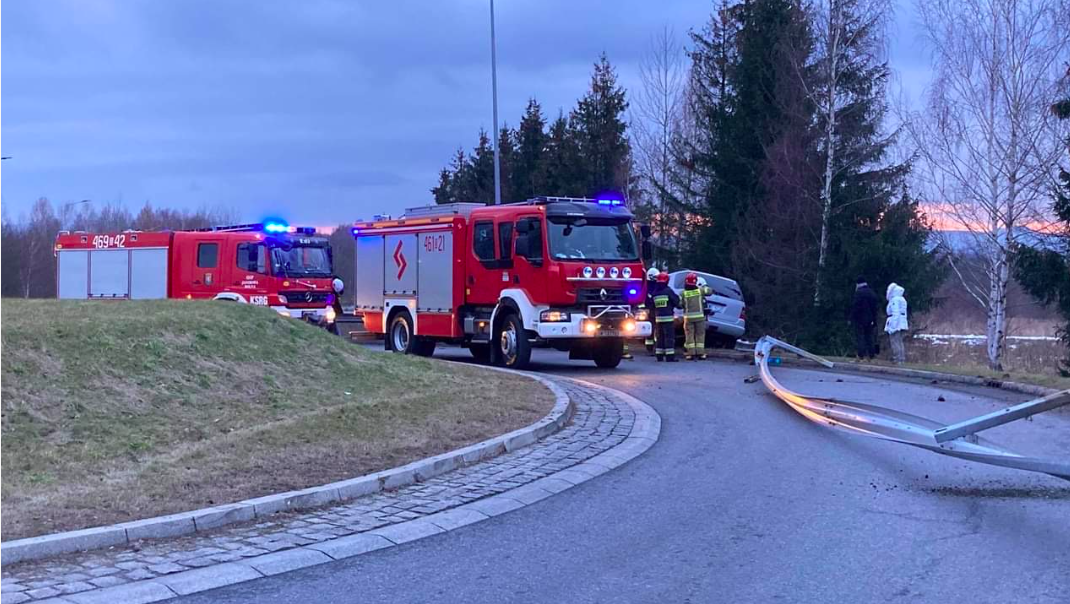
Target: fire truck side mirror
{"points": [[648, 251]]}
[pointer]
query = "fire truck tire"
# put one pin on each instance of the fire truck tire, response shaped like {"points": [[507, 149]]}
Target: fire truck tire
{"points": [[609, 353], [514, 347], [399, 337]]}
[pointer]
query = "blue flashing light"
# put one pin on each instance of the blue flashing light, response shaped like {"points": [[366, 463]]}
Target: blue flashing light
{"points": [[275, 227], [610, 202], [632, 291], [355, 231]]}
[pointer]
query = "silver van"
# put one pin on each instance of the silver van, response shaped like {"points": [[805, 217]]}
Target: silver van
{"points": [[726, 316]]}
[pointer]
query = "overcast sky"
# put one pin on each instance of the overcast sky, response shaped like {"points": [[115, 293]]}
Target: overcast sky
{"points": [[322, 111]]}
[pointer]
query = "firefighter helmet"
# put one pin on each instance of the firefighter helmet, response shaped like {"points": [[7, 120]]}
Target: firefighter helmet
{"points": [[663, 277], [702, 282], [652, 273], [691, 279]]}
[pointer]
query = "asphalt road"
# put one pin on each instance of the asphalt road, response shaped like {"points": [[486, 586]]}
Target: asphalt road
{"points": [[742, 500]]}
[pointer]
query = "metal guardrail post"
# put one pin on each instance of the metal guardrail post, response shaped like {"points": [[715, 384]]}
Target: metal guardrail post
{"points": [[1003, 416], [897, 426]]}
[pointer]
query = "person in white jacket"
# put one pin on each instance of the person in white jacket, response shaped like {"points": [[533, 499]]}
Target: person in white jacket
{"points": [[896, 325]]}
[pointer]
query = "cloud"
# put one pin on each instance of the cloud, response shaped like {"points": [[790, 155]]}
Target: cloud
{"points": [[324, 108]]}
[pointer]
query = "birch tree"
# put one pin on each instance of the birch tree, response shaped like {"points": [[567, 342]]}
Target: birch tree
{"points": [[845, 81], [987, 141], [657, 118]]}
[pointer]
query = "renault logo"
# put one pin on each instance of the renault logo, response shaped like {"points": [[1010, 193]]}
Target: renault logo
{"points": [[603, 294], [308, 296]]}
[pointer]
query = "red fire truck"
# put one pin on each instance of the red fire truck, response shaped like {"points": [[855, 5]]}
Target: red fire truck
{"points": [[553, 271], [266, 264]]}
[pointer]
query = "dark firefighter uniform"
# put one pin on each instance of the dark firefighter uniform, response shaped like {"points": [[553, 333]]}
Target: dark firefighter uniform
{"points": [[663, 300], [694, 305], [649, 306]]}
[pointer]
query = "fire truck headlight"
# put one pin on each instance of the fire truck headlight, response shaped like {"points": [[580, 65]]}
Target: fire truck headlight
{"points": [[629, 326], [627, 272], [588, 272], [329, 314], [590, 326], [282, 298], [642, 315], [601, 272], [613, 272], [555, 316]]}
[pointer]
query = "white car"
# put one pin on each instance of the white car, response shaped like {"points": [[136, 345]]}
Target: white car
{"points": [[726, 315]]}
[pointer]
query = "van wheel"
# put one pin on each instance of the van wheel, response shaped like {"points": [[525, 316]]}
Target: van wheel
{"points": [[514, 348], [399, 338], [608, 354]]}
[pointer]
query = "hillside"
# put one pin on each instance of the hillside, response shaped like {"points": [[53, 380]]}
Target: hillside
{"points": [[119, 410]]}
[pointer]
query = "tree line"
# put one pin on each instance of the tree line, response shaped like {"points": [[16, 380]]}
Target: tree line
{"points": [[766, 148], [29, 266]]}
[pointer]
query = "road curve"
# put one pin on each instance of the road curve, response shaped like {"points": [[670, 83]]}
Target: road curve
{"points": [[742, 500]]}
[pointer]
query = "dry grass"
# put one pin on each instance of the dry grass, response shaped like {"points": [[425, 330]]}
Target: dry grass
{"points": [[119, 411], [1016, 326]]}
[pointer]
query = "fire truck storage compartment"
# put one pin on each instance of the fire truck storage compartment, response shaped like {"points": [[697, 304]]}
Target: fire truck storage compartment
{"points": [[148, 273], [401, 268], [370, 265], [435, 274], [136, 273], [109, 273], [73, 274]]}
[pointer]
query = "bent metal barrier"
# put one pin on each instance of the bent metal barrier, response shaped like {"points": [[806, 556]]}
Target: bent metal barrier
{"points": [[957, 440]]}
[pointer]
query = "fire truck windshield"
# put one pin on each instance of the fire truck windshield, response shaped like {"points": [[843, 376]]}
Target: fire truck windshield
{"points": [[301, 261], [579, 239]]}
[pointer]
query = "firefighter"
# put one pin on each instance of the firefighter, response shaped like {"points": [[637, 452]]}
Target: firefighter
{"points": [[651, 281], [694, 303], [663, 300]]}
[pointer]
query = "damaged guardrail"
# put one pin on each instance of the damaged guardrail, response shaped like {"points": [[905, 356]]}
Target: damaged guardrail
{"points": [[956, 440]]}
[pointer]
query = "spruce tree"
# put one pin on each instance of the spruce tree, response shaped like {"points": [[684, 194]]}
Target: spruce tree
{"points": [[531, 142], [601, 132], [562, 171], [507, 159], [1045, 273]]}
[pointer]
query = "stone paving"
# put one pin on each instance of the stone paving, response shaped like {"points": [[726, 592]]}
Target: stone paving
{"points": [[601, 422]]}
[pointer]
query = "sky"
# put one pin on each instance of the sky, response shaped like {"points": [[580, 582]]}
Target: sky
{"points": [[319, 111]]}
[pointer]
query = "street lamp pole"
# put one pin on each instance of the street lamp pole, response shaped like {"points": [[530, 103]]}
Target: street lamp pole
{"points": [[495, 134]]}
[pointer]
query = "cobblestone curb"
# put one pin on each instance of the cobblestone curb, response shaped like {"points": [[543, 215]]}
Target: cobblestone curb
{"points": [[608, 429], [840, 366], [185, 523]]}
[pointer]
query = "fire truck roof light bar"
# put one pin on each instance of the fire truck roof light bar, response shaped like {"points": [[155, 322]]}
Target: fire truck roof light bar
{"points": [[268, 227]]}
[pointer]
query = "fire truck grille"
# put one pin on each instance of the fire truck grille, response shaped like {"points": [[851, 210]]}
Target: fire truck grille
{"points": [[295, 298], [600, 295]]}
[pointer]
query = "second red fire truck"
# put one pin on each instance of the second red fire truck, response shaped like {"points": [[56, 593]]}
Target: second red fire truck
{"points": [[560, 272], [267, 264]]}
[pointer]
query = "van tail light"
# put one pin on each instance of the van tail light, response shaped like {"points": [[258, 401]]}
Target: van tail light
{"points": [[743, 314]]}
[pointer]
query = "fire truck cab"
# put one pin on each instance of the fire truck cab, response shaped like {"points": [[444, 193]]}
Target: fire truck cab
{"points": [[266, 264], [559, 272]]}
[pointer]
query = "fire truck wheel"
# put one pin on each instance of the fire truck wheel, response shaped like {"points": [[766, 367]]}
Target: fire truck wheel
{"points": [[400, 339], [514, 348], [609, 353]]}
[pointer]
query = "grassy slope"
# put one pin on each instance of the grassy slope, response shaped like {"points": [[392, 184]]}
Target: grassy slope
{"points": [[120, 410]]}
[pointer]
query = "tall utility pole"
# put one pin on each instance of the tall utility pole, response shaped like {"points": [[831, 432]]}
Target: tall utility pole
{"points": [[494, 87]]}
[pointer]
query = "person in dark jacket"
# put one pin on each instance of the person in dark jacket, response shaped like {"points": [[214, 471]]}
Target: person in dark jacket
{"points": [[863, 317], [664, 300]]}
